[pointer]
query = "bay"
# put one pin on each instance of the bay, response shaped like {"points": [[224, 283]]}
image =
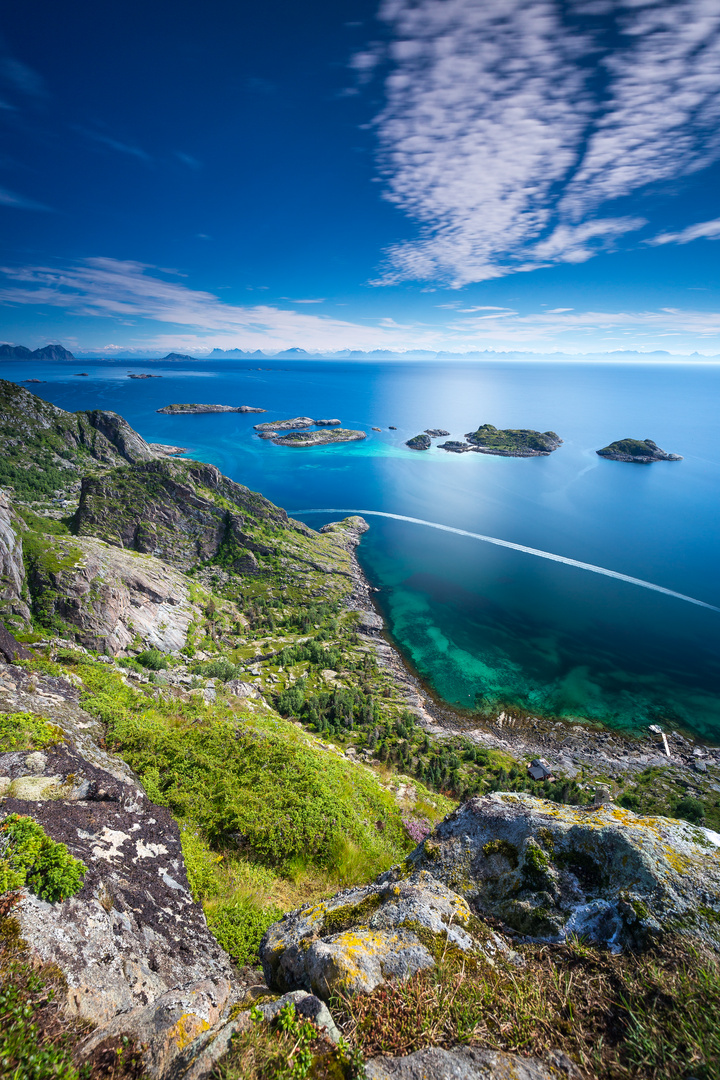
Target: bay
{"points": [[486, 626]]}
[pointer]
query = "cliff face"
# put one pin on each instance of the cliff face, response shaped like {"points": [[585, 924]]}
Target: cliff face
{"points": [[12, 570]]}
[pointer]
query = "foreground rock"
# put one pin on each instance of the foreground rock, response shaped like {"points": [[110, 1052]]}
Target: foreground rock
{"points": [[513, 442], [641, 451], [132, 945], [469, 1063], [364, 936], [196, 410], [548, 871], [296, 422]]}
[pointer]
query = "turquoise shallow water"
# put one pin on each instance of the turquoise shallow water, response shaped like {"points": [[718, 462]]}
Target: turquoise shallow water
{"points": [[485, 625]]}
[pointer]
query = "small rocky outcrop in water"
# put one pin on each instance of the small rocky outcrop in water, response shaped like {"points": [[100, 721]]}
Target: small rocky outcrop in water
{"points": [[318, 438], [196, 410], [641, 451], [419, 442], [548, 871], [296, 422], [513, 442], [436, 433]]}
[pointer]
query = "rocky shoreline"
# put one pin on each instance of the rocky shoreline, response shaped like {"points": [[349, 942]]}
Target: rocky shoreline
{"points": [[575, 749]]}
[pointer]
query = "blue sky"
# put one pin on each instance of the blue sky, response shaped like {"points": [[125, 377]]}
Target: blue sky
{"points": [[439, 174]]}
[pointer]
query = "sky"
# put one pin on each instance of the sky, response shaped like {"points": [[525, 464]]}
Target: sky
{"points": [[445, 175]]}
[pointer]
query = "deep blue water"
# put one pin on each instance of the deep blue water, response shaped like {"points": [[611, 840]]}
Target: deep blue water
{"points": [[482, 623]]}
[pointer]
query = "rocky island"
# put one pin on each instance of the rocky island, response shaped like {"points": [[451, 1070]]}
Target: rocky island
{"points": [[196, 410], [185, 671], [436, 433], [419, 442], [295, 422], [640, 451], [316, 438], [513, 442]]}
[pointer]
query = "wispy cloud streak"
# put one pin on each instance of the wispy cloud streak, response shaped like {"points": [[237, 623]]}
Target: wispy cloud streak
{"points": [[511, 127], [171, 315]]}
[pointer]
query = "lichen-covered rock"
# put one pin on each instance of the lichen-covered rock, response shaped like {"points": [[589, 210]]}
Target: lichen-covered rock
{"points": [[133, 932], [469, 1063], [365, 935], [176, 1027], [549, 870]]}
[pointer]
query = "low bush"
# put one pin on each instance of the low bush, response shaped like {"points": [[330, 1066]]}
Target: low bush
{"points": [[28, 857], [152, 659], [26, 731]]}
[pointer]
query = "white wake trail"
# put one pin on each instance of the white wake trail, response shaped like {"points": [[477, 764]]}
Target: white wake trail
{"points": [[521, 547]]}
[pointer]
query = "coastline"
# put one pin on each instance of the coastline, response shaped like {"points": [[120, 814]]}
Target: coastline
{"points": [[575, 749]]}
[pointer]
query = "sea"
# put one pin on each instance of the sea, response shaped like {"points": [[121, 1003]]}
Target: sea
{"points": [[486, 625]]}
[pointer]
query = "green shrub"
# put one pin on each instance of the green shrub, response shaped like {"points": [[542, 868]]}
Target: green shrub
{"points": [[255, 784], [152, 659], [22, 1057], [691, 810], [239, 926], [29, 857], [26, 731]]}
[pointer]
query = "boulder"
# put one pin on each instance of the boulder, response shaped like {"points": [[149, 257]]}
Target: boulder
{"points": [[363, 936], [548, 871], [469, 1063]]}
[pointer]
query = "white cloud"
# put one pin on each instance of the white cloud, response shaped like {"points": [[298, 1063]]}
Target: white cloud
{"points": [[169, 315], [509, 125], [704, 230]]}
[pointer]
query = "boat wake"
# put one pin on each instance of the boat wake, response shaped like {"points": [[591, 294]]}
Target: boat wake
{"points": [[521, 547]]}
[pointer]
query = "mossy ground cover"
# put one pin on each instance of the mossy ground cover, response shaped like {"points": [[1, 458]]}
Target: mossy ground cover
{"points": [[646, 1017], [664, 791], [27, 731]]}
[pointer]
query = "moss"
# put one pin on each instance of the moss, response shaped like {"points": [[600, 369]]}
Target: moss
{"points": [[336, 920], [640, 909], [502, 847]]}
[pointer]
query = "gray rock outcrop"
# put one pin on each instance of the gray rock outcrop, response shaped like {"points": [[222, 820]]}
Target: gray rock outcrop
{"points": [[113, 597], [548, 871], [364, 936], [133, 932]]}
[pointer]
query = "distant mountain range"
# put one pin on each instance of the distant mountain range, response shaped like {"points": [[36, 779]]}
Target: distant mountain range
{"points": [[58, 352], [48, 352]]}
